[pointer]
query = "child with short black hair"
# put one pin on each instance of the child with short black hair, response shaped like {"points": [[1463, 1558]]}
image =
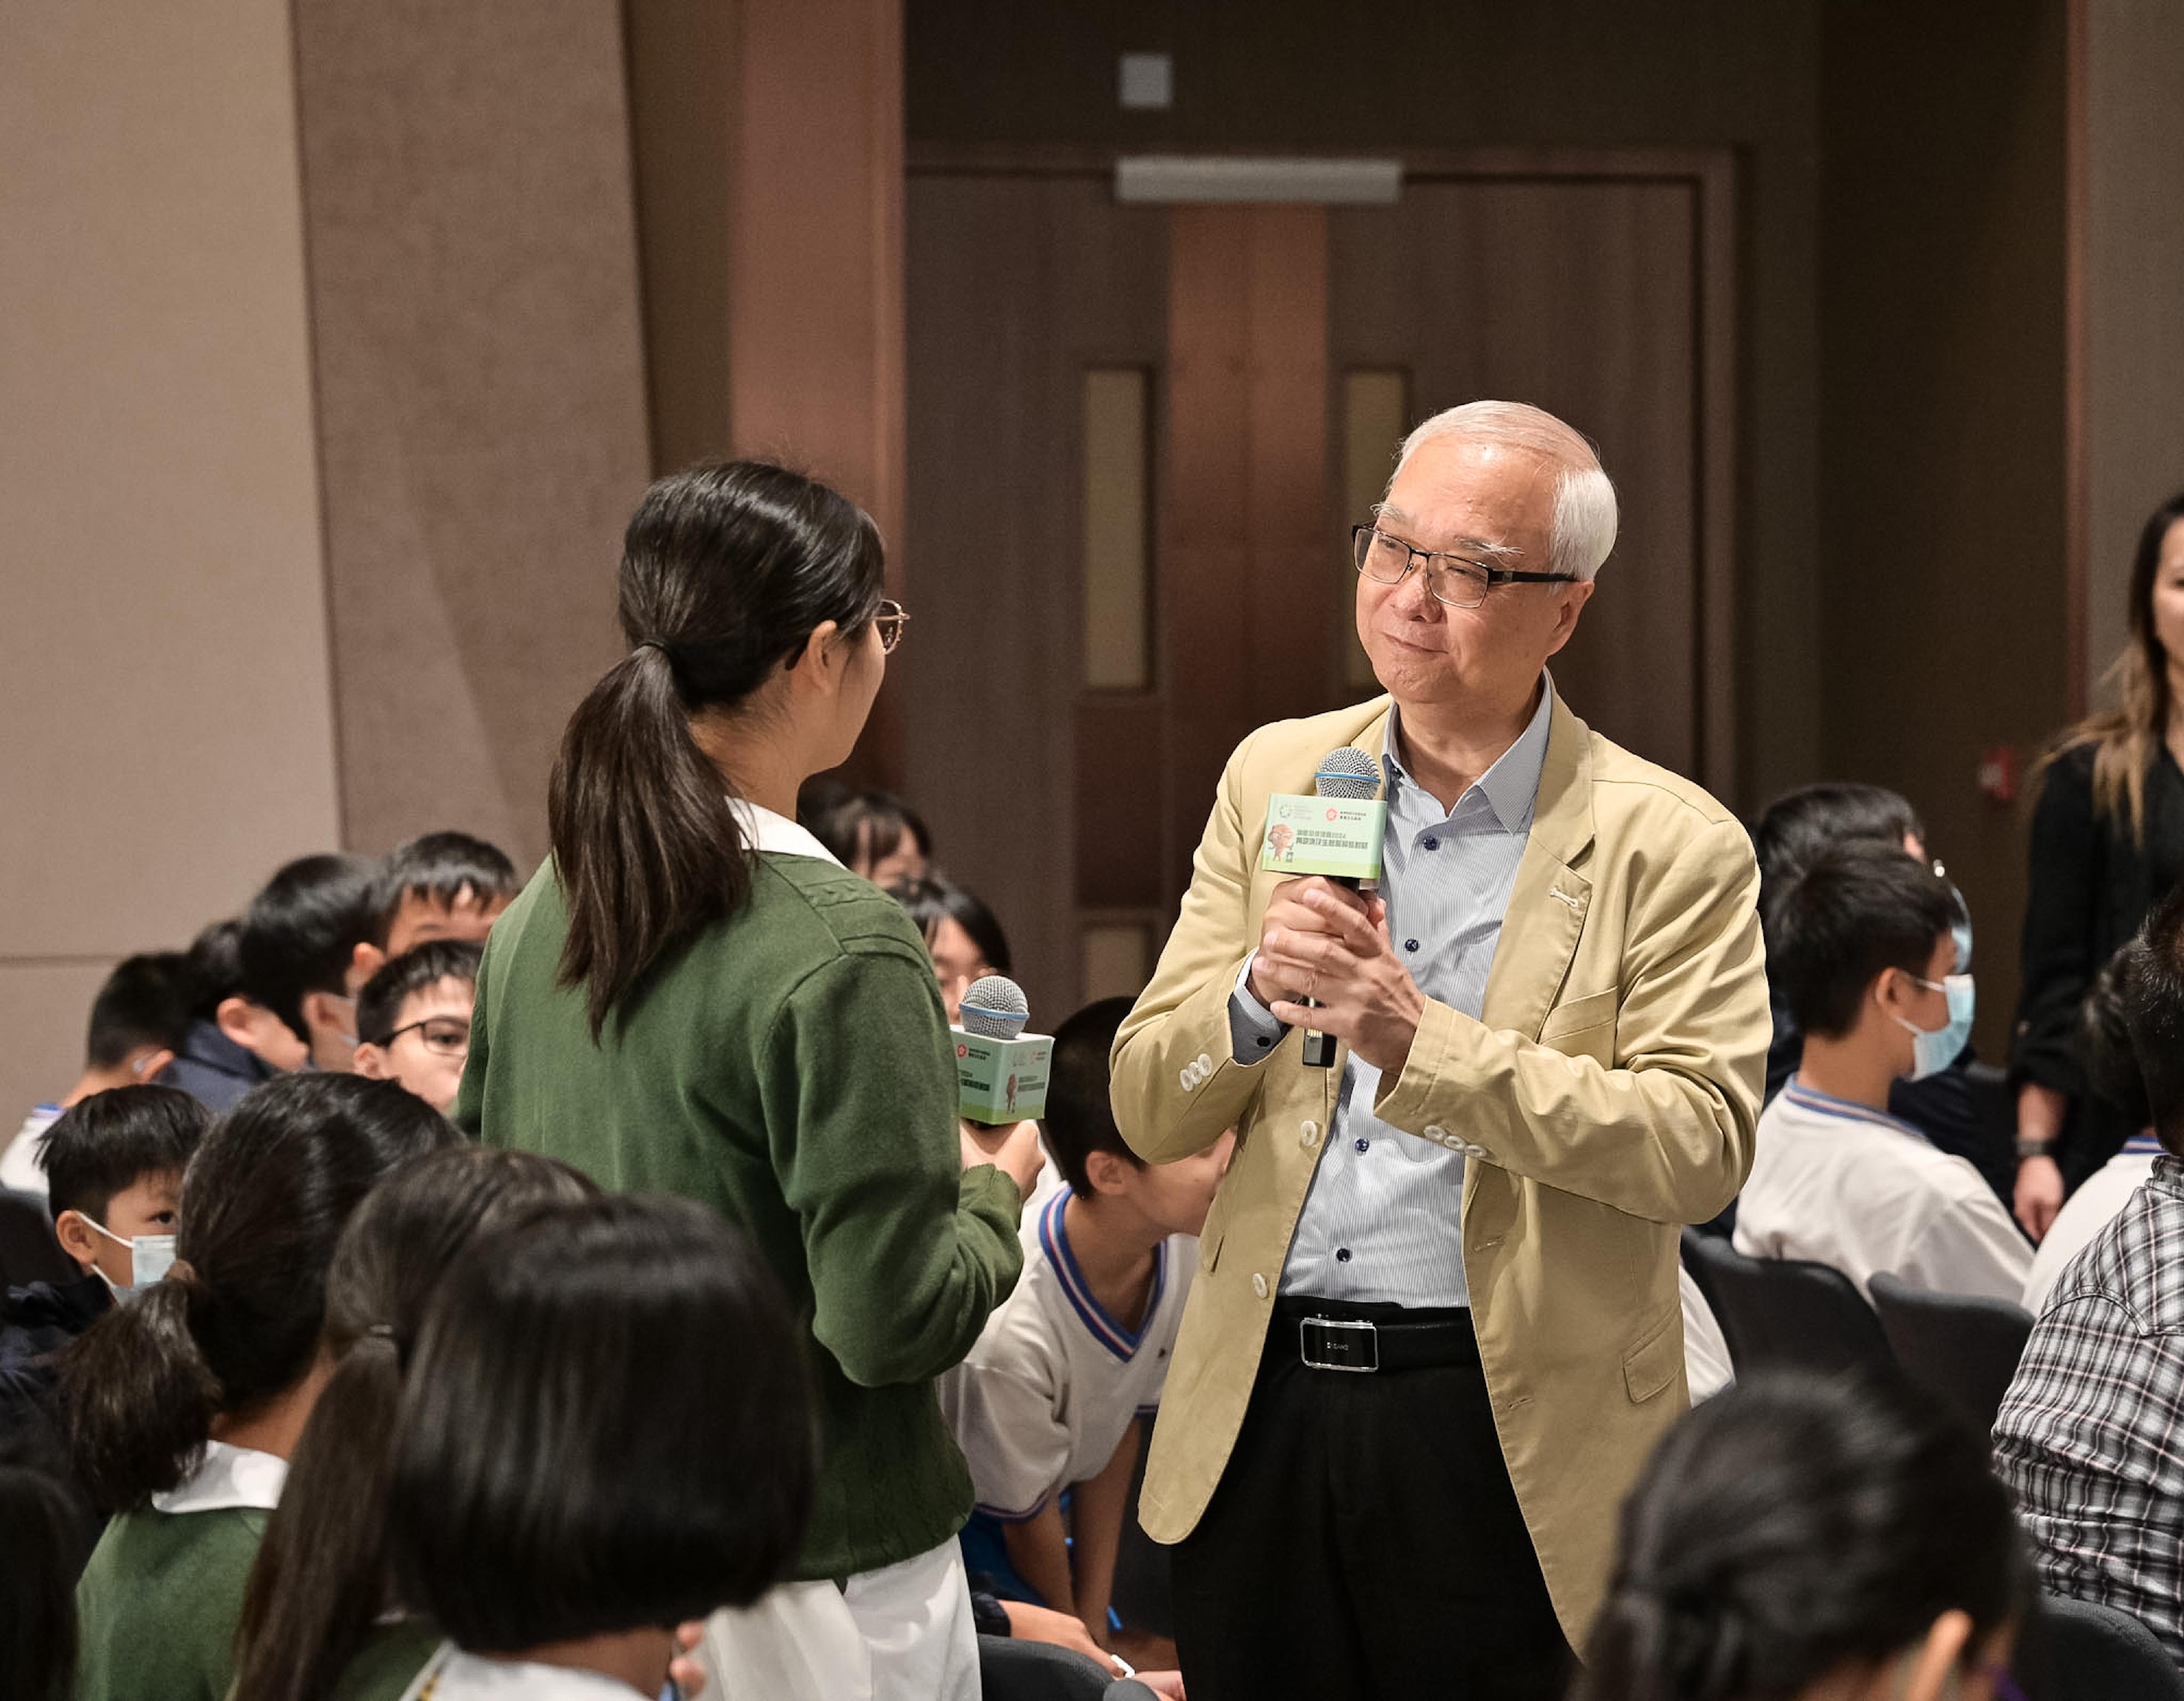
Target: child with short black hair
{"points": [[185, 1404], [413, 1019], [139, 1021], [443, 885], [569, 1481], [298, 948], [1049, 1398], [112, 1165], [1865, 954]]}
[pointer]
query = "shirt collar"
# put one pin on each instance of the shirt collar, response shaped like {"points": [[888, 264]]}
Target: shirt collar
{"points": [[1512, 785], [229, 1477], [764, 830], [460, 1677]]}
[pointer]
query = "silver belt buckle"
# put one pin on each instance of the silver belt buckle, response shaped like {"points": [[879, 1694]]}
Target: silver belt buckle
{"points": [[1342, 1344]]}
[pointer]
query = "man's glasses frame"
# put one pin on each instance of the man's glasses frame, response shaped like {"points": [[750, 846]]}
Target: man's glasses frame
{"points": [[1455, 580]]}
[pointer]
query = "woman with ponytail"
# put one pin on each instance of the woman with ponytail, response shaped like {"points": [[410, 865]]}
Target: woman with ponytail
{"points": [[693, 996], [315, 1617], [184, 1405], [1801, 1540]]}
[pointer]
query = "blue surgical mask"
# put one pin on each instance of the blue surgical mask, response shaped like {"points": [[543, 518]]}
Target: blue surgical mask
{"points": [[1933, 1052], [150, 1257]]}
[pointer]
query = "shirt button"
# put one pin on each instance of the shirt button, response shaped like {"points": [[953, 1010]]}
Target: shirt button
{"points": [[1433, 844], [1342, 1255], [1364, 1146], [1309, 1134], [1259, 1284], [1410, 945], [1264, 1040]]}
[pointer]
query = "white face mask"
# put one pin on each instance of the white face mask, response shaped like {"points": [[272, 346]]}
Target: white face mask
{"points": [[150, 1257]]}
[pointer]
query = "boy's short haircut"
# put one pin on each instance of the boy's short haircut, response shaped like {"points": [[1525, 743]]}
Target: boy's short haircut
{"points": [[2149, 982], [145, 1001], [300, 933], [1862, 907], [105, 1144], [1080, 1116], [446, 867], [215, 968], [379, 1006]]}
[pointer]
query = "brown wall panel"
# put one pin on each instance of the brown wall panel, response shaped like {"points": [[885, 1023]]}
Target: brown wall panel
{"points": [[481, 391]]}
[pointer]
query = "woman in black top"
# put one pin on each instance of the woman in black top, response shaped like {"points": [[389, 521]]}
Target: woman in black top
{"points": [[2108, 843]]}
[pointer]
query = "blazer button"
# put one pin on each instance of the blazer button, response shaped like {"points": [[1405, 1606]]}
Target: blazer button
{"points": [[1183, 1079], [1436, 1133], [1308, 1135], [1205, 1066], [1258, 1285]]}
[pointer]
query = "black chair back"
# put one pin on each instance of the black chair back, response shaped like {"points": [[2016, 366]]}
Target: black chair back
{"points": [[1961, 1348], [2094, 1652], [1012, 1670], [1785, 1313], [28, 1251]]}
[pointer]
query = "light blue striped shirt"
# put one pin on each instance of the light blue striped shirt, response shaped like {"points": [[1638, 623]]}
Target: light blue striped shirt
{"points": [[1383, 1222]]}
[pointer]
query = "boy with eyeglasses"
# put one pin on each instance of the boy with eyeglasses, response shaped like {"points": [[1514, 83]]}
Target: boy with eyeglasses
{"points": [[1864, 952], [414, 1019]]}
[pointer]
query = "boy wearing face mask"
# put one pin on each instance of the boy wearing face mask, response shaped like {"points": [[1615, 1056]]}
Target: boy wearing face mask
{"points": [[113, 1166], [1866, 955]]}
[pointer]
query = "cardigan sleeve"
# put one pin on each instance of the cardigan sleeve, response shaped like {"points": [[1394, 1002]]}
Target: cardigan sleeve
{"points": [[908, 1252], [2063, 890]]}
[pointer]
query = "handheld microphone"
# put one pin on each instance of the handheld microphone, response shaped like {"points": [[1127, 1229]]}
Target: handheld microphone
{"points": [[1000, 1070], [1337, 831]]}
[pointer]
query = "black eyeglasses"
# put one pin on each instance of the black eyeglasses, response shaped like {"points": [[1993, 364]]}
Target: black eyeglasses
{"points": [[446, 1036], [1452, 579], [891, 619]]}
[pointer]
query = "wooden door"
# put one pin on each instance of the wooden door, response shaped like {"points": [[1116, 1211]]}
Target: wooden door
{"points": [[1215, 394]]}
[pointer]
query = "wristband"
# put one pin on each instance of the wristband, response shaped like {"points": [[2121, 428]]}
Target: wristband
{"points": [[2027, 1147]]}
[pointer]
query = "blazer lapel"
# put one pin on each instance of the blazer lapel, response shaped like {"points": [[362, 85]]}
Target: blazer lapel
{"points": [[1548, 902]]}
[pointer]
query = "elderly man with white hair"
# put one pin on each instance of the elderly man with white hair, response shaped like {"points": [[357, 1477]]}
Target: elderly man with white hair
{"points": [[1437, 1325]]}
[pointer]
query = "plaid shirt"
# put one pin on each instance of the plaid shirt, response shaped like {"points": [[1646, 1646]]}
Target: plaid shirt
{"points": [[2090, 1438]]}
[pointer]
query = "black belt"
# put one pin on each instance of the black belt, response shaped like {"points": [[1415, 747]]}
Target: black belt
{"points": [[1332, 1335]]}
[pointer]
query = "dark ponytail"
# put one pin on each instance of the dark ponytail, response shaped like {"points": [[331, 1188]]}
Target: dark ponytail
{"points": [[236, 1321], [1791, 1527], [727, 569], [318, 1583]]}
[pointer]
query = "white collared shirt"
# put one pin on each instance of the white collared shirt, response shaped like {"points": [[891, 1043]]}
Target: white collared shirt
{"points": [[451, 1675], [1383, 1222], [765, 830], [227, 1478], [1845, 1185]]}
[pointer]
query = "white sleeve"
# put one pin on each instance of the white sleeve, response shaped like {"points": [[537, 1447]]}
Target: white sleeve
{"points": [[1971, 1246], [1009, 1425], [1706, 1365]]}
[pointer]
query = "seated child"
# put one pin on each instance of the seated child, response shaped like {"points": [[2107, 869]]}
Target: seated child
{"points": [[874, 834], [113, 1167], [413, 1019], [316, 1617], [138, 1022], [569, 1479], [185, 1404], [445, 885], [1049, 1400], [961, 935], [1865, 958]]}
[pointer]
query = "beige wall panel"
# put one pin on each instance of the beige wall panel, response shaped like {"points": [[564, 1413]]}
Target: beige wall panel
{"points": [[165, 732], [481, 391], [2134, 278]]}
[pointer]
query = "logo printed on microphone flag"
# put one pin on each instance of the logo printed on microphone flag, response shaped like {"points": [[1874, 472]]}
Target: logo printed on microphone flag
{"points": [[1317, 835]]}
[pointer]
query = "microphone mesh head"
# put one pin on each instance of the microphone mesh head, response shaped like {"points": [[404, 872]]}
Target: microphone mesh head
{"points": [[994, 1006], [1348, 773]]}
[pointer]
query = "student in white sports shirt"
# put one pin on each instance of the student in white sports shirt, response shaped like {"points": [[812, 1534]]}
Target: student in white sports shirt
{"points": [[1049, 1399], [1865, 959]]}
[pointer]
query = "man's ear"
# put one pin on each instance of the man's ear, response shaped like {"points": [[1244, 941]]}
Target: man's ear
{"points": [[1572, 605], [78, 1239]]}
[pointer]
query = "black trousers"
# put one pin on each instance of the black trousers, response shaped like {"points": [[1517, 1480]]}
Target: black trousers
{"points": [[1364, 1541]]}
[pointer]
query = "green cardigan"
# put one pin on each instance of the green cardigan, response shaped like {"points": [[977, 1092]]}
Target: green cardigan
{"points": [[790, 1068], [157, 1605]]}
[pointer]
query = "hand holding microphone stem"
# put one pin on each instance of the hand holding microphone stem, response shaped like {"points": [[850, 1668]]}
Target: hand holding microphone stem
{"points": [[1325, 942]]}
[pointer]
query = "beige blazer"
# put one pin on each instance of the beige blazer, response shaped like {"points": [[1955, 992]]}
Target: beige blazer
{"points": [[1608, 1097]]}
